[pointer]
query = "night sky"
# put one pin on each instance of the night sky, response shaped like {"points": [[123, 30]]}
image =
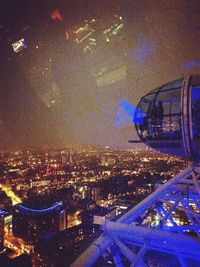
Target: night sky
{"points": [[160, 43]]}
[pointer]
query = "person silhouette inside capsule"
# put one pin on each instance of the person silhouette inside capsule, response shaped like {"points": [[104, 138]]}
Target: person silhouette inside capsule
{"points": [[159, 122], [154, 113]]}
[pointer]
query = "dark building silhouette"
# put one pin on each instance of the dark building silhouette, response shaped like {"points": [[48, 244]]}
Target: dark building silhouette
{"points": [[35, 219], [22, 260], [61, 248]]}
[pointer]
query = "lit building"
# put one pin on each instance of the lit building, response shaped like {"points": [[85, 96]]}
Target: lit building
{"points": [[63, 220], [34, 219], [96, 194], [64, 158]]}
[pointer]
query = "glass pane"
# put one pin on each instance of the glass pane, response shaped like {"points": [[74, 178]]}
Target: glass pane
{"points": [[171, 85], [143, 117], [163, 100], [172, 127], [171, 101], [175, 99], [146, 103], [175, 107], [160, 119]]}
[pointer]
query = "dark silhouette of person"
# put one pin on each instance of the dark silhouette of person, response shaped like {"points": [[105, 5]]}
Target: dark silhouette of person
{"points": [[154, 120], [160, 114]]}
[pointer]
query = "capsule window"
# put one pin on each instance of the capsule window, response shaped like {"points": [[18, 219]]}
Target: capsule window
{"points": [[195, 96], [158, 115]]}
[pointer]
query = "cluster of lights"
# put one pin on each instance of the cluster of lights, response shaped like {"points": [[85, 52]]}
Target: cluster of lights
{"points": [[19, 45]]}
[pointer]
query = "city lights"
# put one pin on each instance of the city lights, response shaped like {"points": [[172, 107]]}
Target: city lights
{"points": [[96, 168], [19, 45]]}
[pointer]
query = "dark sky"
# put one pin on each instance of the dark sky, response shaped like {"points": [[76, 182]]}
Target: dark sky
{"points": [[160, 43]]}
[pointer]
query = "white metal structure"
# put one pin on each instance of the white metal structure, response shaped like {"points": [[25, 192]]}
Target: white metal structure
{"points": [[168, 220], [129, 239]]}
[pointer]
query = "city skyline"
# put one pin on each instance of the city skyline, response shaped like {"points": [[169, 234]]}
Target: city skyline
{"points": [[87, 182], [99, 133]]}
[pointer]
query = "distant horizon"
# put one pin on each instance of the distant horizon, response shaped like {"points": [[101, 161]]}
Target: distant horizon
{"points": [[142, 146]]}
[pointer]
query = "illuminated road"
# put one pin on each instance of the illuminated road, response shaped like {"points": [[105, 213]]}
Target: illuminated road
{"points": [[11, 194], [18, 245]]}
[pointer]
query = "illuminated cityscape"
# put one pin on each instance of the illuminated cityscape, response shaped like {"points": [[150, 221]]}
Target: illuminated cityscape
{"points": [[84, 180], [96, 168]]}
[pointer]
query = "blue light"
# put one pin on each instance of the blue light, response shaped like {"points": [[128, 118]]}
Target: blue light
{"points": [[192, 64], [139, 117], [59, 204], [195, 94], [143, 51], [126, 113], [2, 212], [25, 44], [128, 107]]}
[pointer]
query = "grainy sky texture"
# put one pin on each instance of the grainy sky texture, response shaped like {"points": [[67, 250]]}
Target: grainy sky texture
{"points": [[159, 43]]}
